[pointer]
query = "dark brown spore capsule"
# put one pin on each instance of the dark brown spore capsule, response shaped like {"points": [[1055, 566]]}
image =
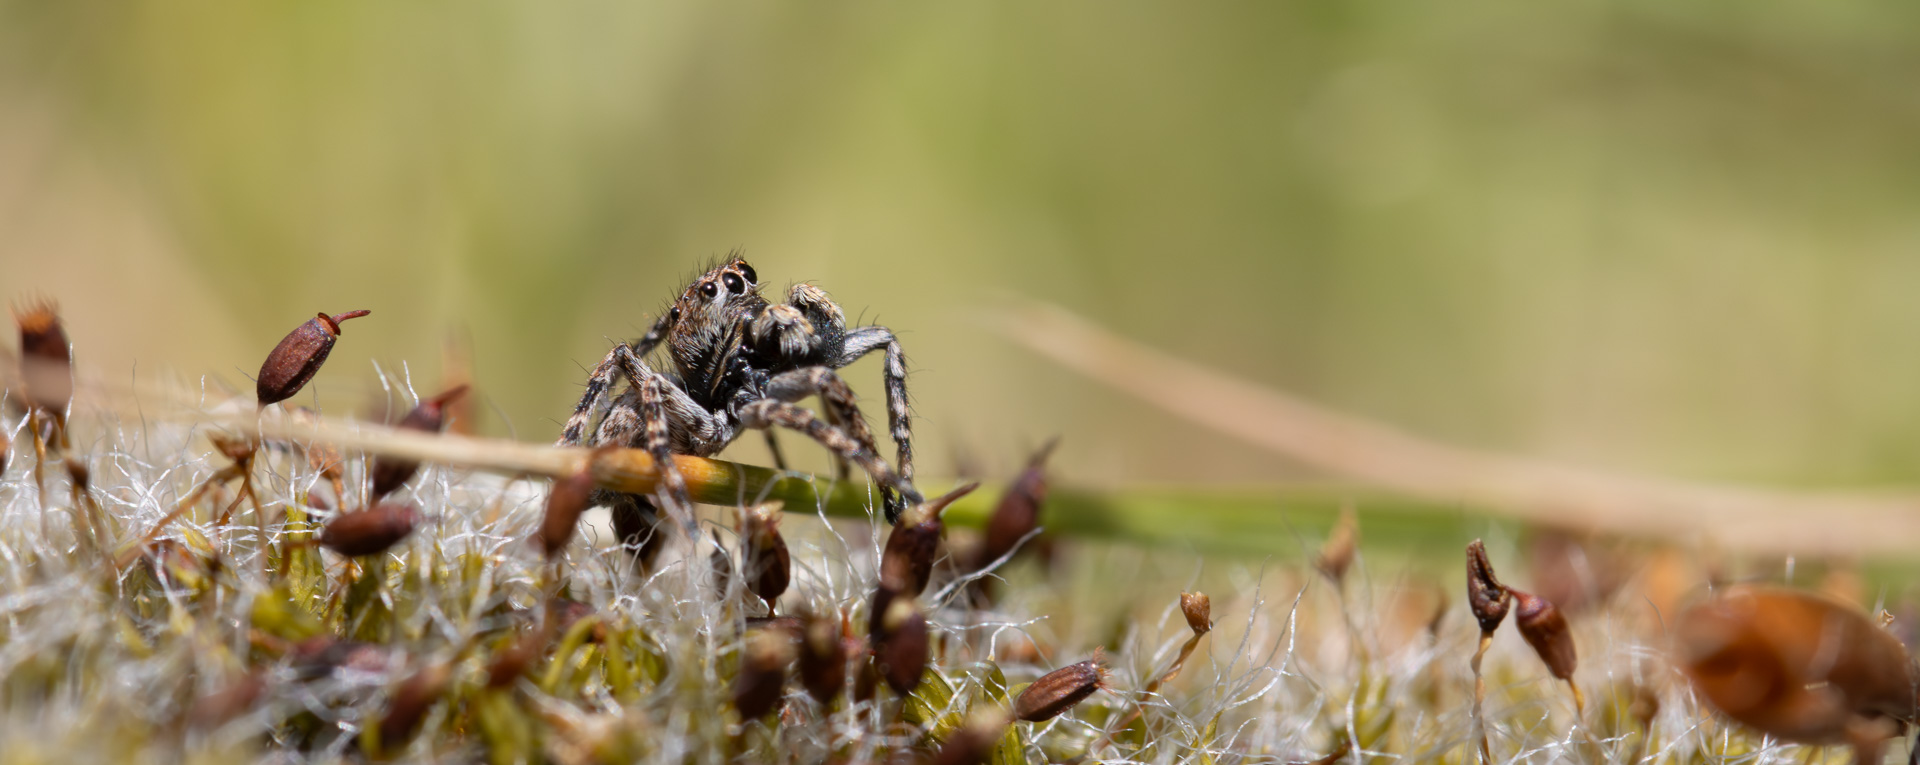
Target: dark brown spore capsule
{"points": [[903, 655], [429, 416], [516, 657], [1488, 598], [767, 565], [322, 656], [906, 565], [411, 702], [1018, 513], [1546, 630], [1060, 689], [46, 362], [298, 357], [762, 681], [237, 698], [565, 611], [370, 532], [972, 743], [570, 497], [823, 659], [1198, 608], [1337, 554]]}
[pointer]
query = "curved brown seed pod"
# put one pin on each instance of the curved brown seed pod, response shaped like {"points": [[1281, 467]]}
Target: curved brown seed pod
{"points": [[1488, 598], [369, 532], [1019, 510], [763, 552], [46, 360], [1060, 689], [1337, 554], [972, 743], [762, 680], [823, 658], [515, 657], [904, 654], [1198, 608], [1546, 630], [1793, 664], [569, 497], [906, 565], [298, 357], [411, 701], [429, 416]]}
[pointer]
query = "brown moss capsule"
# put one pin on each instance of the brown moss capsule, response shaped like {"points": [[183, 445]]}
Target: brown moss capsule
{"points": [[906, 564], [1546, 630], [823, 659], [390, 473], [1793, 664], [1337, 554], [563, 612], [1198, 608], [972, 743], [1488, 598], [762, 680], [1018, 513], [905, 650], [237, 698], [570, 497], [298, 357], [1060, 689], [767, 565], [322, 656], [411, 702], [369, 532], [514, 658], [46, 361]]}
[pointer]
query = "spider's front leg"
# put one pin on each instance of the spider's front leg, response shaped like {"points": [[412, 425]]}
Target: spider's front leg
{"points": [[835, 346], [644, 422], [863, 341], [770, 412], [601, 380], [840, 409]]}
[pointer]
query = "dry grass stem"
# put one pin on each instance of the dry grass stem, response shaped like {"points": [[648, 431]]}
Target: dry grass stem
{"points": [[1523, 488]]}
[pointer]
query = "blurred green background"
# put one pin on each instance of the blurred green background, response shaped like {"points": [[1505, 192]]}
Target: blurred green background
{"points": [[1672, 237]]}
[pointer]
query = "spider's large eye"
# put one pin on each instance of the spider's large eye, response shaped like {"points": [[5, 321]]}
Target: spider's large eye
{"points": [[734, 285], [709, 290], [747, 271]]}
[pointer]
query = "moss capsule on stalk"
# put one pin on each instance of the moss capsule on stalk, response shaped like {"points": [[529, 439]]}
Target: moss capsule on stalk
{"points": [[298, 357]]}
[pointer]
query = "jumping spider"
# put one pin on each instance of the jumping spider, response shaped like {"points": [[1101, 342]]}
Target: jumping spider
{"points": [[739, 363]]}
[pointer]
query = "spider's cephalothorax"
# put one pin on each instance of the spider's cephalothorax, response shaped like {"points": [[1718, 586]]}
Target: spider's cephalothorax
{"points": [[740, 362]]}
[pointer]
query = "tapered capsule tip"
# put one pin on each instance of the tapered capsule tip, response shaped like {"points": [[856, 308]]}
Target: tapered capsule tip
{"points": [[335, 320], [1488, 598]]}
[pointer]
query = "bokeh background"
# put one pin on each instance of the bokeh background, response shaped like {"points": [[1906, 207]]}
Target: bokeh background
{"points": [[1675, 238]]}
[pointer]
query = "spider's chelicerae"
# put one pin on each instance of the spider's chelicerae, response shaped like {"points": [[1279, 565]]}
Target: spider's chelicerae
{"points": [[740, 362]]}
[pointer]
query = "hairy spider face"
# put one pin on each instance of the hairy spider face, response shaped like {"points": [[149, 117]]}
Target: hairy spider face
{"points": [[710, 322]]}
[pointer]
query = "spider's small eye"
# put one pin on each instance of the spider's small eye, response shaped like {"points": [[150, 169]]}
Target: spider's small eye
{"points": [[747, 271], [733, 282], [709, 290]]}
